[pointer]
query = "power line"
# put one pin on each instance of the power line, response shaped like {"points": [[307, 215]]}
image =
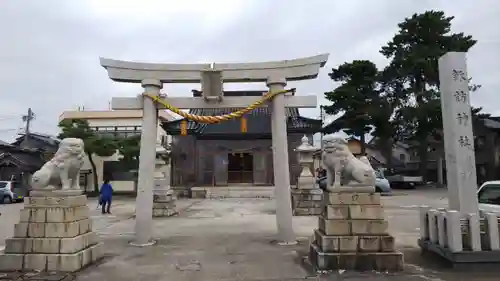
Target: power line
{"points": [[8, 130], [8, 118]]}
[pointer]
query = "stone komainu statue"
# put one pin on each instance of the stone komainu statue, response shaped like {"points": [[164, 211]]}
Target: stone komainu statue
{"points": [[63, 170], [342, 167]]}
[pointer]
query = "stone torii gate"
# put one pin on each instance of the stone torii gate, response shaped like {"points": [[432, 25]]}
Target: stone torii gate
{"points": [[152, 76]]}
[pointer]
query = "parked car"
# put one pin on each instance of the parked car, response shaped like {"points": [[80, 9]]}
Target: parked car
{"points": [[381, 183], [488, 196], [402, 181], [12, 191]]}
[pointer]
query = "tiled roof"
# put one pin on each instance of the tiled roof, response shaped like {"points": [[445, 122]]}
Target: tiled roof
{"points": [[49, 139], [28, 160], [491, 122], [2, 143]]}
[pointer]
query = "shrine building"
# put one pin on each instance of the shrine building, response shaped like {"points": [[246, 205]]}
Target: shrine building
{"points": [[237, 152]]}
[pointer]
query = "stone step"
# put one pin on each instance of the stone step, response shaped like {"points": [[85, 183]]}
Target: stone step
{"points": [[52, 229], [380, 261], [51, 262], [354, 243], [55, 201], [236, 192], [53, 213], [50, 245], [306, 211]]}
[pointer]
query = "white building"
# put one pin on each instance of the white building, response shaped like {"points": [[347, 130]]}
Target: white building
{"points": [[120, 122]]}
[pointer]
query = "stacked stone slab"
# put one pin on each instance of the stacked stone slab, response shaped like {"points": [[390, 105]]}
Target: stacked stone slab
{"points": [[307, 202], [163, 195], [54, 234], [164, 203], [352, 234]]}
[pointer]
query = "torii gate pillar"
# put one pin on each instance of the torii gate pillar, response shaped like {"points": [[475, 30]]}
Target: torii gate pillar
{"points": [[280, 163], [147, 158]]}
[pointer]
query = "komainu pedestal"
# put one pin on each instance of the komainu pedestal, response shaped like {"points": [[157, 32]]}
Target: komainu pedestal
{"points": [[352, 234], [54, 234]]}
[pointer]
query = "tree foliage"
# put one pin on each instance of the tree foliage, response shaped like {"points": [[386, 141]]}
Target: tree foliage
{"points": [[414, 52], [95, 144], [354, 96], [387, 119], [129, 149], [402, 101]]}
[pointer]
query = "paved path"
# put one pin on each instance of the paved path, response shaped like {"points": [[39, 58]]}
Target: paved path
{"points": [[232, 239]]}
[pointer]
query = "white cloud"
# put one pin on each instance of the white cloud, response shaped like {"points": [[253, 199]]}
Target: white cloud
{"points": [[50, 49]]}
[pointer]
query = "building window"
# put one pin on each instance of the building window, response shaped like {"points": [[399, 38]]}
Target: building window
{"points": [[402, 157], [115, 171], [164, 140], [118, 131]]}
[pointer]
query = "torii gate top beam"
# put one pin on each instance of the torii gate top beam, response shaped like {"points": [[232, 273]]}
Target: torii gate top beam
{"points": [[292, 70]]}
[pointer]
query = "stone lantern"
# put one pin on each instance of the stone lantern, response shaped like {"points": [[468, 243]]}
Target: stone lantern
{"points": [[307, 197], [163, 195], [305, 152]]}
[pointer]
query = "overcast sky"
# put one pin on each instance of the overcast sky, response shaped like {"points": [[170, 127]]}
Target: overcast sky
{"points": [[49, 51]]}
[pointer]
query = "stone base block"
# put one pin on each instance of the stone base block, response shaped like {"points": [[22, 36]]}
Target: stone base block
{"points": [[52, 192], [308, 192], [164, 212], [351, 198], [199, 193], [50, 245], [52, 229], [51, 262], [164, 195], [306, 211], [463, 257], [346, 243], [164, 205], [352, 189], [352, 227], [392, 261], [354, 212], [307, 202]]}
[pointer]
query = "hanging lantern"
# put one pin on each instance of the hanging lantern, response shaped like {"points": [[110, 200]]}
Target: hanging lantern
{"points": [[243, 124], [184, 128]]}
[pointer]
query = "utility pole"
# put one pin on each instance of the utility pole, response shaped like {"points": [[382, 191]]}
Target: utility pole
{"points": [[27, 119], [321, 116]]}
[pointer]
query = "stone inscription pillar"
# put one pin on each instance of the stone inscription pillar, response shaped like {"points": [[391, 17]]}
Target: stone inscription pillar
{"points": [[280, 163], [147, 160], [457, 128]]}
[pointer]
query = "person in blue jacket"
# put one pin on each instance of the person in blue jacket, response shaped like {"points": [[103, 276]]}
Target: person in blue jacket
{"points": [[106, 196]]}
